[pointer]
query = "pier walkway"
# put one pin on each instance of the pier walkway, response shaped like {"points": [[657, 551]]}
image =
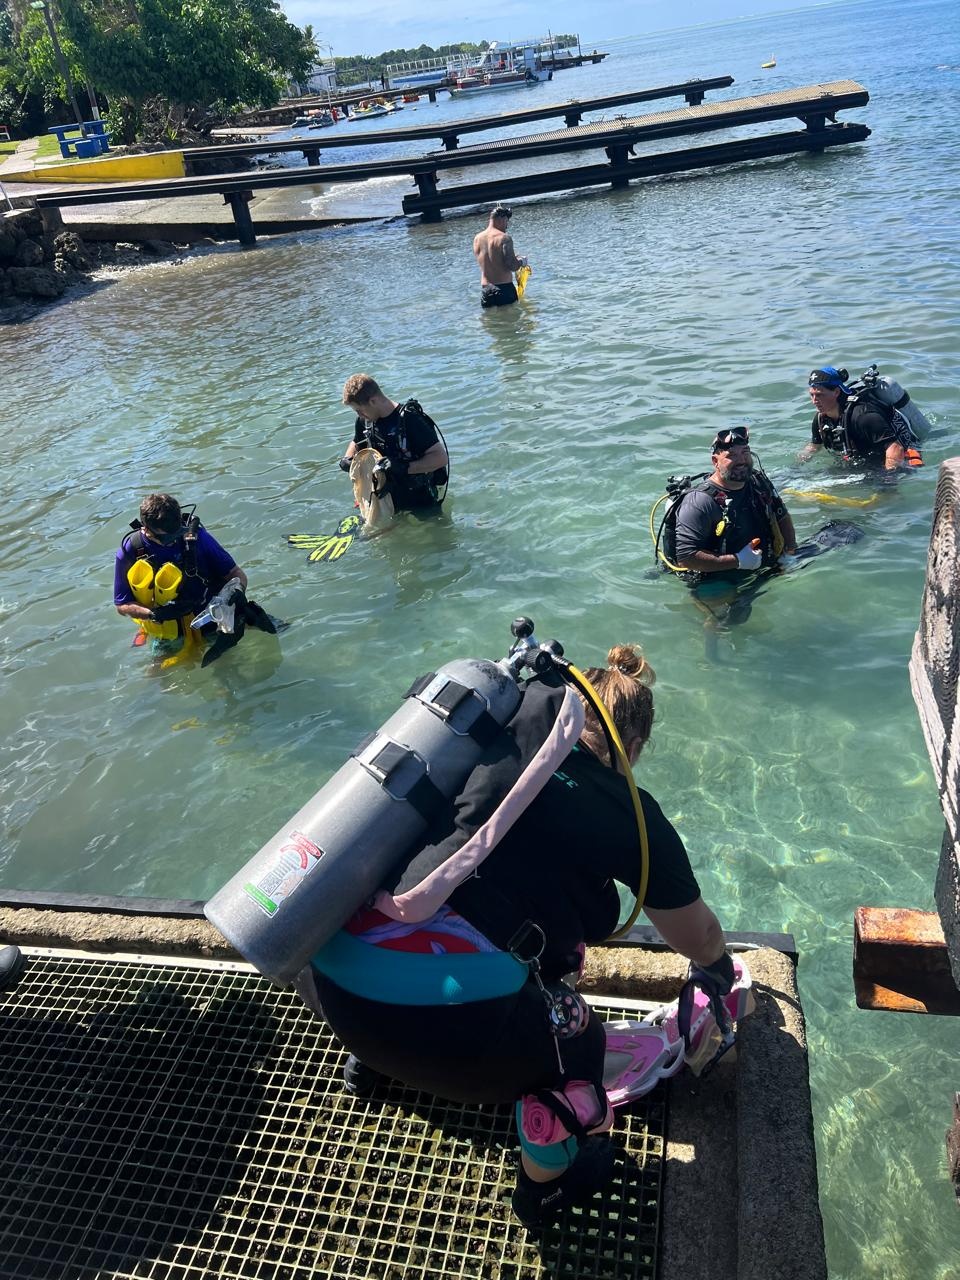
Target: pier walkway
{"points": [[449, 131], [814, 105]]}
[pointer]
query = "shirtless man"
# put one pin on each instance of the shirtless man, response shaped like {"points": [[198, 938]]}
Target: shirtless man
{"points": [[494, 252]]}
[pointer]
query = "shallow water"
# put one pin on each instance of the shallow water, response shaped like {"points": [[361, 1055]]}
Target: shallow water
{"points": [[788, 754]]}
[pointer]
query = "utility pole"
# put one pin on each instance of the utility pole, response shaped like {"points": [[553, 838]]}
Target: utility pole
{"points": [[42, 7]]}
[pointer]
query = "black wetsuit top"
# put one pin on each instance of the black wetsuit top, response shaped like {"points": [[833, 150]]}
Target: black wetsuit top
{"points": [[403, 436], [745, 514], [557, 863], [864, 430]]}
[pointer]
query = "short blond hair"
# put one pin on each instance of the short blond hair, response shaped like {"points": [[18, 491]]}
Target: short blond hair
{"points": [[360, 388]]}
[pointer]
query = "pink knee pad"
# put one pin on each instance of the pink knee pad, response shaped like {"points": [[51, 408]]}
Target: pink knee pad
{"points": [[542, 1126]]}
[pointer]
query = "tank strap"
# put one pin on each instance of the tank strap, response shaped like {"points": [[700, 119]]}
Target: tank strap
{"points": [[444, 696], [401, 772]]}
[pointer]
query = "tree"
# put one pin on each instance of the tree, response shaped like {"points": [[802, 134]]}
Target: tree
{"points": [[181, 61]]}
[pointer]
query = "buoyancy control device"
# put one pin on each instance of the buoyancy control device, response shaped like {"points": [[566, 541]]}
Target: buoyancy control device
{"points": [[342, 846], [889, 392]]}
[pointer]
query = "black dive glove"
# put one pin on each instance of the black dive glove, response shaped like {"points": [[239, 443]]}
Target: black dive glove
{"points": [[170, 612], [391, 469], [715, 979], [344, 464]]}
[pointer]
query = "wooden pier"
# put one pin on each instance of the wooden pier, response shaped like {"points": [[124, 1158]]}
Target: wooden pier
{"points": [[815, 105], [449, 132]]}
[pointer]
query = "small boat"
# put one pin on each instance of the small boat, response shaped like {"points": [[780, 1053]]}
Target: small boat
{"points": [[374, 107], [765, 66], [313, 120], [493, 80]]}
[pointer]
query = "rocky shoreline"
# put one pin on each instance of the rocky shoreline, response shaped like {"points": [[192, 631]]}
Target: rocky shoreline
{"points": [[40, 264]]}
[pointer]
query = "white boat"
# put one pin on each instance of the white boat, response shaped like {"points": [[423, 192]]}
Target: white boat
{"points": [[500, 67], [373, 107]]}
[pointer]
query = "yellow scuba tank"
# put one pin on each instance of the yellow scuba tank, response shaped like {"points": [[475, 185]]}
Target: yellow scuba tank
{"points": [[150, 590]]}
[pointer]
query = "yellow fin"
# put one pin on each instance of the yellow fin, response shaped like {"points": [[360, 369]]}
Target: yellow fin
{"points": [[814, 495]]}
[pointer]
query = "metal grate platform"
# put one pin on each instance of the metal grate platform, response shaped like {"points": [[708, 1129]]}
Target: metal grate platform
{"points": [[169, 1120]]}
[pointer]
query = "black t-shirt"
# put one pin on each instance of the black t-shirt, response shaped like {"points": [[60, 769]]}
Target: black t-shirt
{"points": [[742, 513], [868, 429], [400, 437], [557, 863]]}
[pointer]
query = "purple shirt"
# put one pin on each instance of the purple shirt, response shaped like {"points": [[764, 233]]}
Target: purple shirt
{"points": [[213, 563]]}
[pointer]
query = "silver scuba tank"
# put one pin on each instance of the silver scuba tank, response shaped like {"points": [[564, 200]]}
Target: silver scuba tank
{"points": [[333, 854], [890, 392]]}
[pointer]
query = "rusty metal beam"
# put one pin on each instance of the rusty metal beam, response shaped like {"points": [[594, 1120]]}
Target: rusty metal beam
{"points": [[900, 962]]}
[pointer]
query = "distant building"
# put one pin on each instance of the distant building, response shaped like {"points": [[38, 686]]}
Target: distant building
{"points": [[322, 77]]}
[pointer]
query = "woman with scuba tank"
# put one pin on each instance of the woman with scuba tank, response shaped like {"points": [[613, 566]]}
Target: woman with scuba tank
{"points": [[471, 1003]]}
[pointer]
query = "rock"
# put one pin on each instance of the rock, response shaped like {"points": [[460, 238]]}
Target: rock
{"points": [[5, 286], [8, 244], [158, 248], [36, 282], [65, 270], [70, 248], [48, 247], [104, 252], [23, 223], [28, 254]]}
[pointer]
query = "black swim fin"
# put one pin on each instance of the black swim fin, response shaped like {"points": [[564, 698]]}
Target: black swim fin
{"points": [[255, 616], [224, 641]]}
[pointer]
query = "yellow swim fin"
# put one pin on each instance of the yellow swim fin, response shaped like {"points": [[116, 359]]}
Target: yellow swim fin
{"points": [[167, 583], [523, 275], [191, 643], [328, 546], [832, 500], [140, 578]]}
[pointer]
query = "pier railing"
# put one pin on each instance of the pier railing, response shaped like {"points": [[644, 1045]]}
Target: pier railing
{"points": [[813, 105]]}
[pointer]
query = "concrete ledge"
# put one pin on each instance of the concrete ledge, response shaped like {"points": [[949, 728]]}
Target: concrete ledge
{"points": [[740, 1186]]}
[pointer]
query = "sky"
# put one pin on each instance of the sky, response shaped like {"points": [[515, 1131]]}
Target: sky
{"points": [[371, 26]]}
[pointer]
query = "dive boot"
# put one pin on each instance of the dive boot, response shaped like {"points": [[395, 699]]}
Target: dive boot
{"points": [[535, 1203], [359, 1080]]}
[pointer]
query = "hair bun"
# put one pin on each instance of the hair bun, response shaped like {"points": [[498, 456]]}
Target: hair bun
{"points": [[630, 662]]}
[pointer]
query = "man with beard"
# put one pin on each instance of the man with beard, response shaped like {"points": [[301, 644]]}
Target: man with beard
{"points": [[734, 523]]}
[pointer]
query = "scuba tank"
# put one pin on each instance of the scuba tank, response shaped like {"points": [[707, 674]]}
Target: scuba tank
{"points": [[889, 392], [333, 854], [366, 822]]}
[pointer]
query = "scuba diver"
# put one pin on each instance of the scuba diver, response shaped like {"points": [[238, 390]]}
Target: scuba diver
{"points": [[177, 583], [871, 419], [727, 534], [413, 460], [460, 981]]}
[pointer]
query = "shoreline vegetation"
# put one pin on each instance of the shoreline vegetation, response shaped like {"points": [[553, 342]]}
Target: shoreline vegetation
{"points": [[162, 70]]}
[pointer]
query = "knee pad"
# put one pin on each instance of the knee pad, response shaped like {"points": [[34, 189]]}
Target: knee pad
{"points": [[553, 1123]]}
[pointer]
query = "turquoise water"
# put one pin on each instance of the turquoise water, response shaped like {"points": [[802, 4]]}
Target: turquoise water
{"points": [[790, 758]]}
